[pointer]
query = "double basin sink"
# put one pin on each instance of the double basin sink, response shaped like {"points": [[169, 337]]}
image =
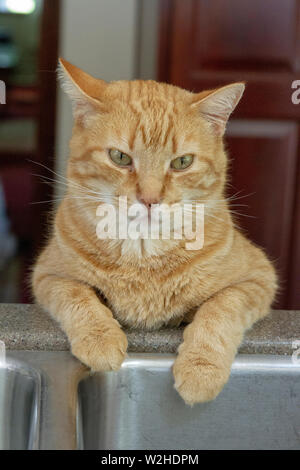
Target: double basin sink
{"points": [[48, 400]]}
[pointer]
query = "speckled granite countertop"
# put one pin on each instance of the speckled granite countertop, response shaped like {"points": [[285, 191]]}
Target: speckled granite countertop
{"points": [[27, 327]]}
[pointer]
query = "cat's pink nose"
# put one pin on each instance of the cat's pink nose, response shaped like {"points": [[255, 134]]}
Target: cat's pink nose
{"points": [[148, 201]]}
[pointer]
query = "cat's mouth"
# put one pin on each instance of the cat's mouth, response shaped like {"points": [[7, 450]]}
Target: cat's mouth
{"points": [[123, 220], [153, 217]]}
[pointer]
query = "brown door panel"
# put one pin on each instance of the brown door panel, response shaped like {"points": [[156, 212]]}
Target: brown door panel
{"points": [[263, 175]]}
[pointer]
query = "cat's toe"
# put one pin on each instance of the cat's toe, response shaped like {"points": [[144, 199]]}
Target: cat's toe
{"points": [[196, 379], [101, 352]]}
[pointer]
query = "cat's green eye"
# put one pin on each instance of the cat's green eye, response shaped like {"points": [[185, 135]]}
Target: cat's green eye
{"points": [[181, 163], [120, 158]]}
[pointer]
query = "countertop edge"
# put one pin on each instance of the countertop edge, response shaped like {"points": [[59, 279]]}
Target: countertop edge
{"points": [[27, 327]]}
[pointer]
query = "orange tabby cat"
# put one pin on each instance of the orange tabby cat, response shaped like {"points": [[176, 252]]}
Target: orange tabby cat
{"points": [[151, 142]]}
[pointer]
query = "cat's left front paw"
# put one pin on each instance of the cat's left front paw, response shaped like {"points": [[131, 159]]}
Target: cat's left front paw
{"points": [[198, 378]]}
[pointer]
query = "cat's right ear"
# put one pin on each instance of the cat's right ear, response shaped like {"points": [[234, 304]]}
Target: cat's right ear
{"points": [[84, 90]]}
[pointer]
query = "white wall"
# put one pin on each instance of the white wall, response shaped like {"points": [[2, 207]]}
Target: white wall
{"points": [[148, 40], [99, 36]]}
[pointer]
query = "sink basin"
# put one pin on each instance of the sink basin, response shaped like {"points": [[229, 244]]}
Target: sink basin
{"points": [[19, 406], [138, 408]]}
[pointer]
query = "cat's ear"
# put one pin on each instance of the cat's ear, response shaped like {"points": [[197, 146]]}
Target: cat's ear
{"points": [[217, 105], [84, 90]]}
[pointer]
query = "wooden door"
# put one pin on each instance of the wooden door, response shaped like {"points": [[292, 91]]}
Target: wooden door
{"points": [[205, 44]]}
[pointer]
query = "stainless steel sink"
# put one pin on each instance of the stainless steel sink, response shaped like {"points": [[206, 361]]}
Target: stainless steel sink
{"points": [[48, 400], [138, 408], [20, 387]]}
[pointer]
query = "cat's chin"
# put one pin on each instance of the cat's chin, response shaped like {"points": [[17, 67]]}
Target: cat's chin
{"points": [[146, 248]]}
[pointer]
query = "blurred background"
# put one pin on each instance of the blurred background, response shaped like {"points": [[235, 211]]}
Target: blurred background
{"points": [[196, 44]]}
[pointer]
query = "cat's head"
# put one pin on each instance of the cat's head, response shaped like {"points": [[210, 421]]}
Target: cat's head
{"points": [[151, 142]]}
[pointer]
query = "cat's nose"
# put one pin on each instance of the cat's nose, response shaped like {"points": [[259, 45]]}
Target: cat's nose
{"points": [[148, 201]]}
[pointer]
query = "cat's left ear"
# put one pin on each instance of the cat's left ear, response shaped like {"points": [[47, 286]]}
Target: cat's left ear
{"points": [[217, 105]]}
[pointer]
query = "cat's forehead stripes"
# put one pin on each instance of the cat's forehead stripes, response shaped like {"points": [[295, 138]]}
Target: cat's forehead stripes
{"points": [[154, 134], [148, 90], [153, 107]]}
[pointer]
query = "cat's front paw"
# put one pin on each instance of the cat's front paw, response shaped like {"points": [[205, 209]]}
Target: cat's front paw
{"points": [[101, 348], [197, 378]]}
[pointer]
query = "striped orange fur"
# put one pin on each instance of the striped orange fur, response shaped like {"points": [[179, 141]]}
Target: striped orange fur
{"points": [[94, 287]]}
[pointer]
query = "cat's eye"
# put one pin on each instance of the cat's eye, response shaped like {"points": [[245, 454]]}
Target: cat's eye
{"points": [[120, 158], [181, 163]]}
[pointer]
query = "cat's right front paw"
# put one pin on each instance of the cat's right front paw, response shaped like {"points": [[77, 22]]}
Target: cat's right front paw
{"points": [[101, 348]]}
